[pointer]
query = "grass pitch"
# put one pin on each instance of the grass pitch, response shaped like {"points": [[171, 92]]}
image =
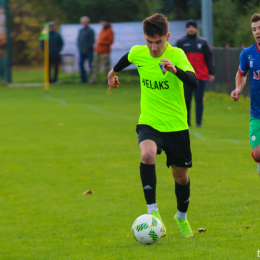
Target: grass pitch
{"points": [[79, 138]]}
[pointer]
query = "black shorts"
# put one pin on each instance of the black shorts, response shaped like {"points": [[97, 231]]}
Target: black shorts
{"points": [[175, 144]]}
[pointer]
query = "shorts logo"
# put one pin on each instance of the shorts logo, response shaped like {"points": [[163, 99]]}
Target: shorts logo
{"points": [[253, 138], [187, 163]]}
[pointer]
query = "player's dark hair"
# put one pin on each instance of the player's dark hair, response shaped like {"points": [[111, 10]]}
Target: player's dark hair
{"points": [[255, 18], [156, 24]]}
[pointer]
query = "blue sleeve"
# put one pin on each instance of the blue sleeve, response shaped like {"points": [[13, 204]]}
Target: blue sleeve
{"points": [[243, 67]]}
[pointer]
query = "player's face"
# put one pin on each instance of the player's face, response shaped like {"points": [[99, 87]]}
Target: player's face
{"points": [[157, 44], [191, 30], [256, 31]]}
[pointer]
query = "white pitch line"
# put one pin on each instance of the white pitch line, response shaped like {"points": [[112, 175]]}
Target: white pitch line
{"points": [[200, 137], [100, 111], [61, 101], [229, 141], [197, 135], [36, 84], [95, 109]]}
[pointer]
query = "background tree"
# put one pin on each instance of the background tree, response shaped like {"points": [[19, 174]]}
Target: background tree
{"points": [[180, 9], [231, 22], [231, 19], [29, 16], [27, 19], [116, 10]]}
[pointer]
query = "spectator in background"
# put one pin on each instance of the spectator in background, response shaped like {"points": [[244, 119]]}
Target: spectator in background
{"points": [[86, 41], [55, 47], [200, 56], [102, 48]]}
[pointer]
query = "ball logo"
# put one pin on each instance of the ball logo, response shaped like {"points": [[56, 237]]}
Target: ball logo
{"points": [[253, 138]]}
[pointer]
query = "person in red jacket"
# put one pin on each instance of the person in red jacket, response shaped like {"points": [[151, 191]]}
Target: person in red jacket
{"points": [[200, 56], [102, 48]]}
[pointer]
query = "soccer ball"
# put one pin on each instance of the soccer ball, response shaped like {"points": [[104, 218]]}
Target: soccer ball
{"points": [[147, 229]]}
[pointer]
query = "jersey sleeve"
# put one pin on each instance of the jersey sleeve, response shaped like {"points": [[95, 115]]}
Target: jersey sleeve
{"points": [[182, 62], [131, 54], [242, 69]]}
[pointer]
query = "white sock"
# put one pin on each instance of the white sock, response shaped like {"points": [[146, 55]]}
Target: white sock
{"points": [[181, 215], [152, 207]]}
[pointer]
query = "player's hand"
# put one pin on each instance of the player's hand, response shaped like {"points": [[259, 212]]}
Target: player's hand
{"points": [[235, 94], [113, 83], [211, 78], [168, 66]]}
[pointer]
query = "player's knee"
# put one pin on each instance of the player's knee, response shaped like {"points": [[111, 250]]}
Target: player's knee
{"points": [[148, 157], [256, 154], [182, 179]]}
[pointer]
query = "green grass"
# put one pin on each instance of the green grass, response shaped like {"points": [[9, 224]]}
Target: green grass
{"points": [[52, 150]]}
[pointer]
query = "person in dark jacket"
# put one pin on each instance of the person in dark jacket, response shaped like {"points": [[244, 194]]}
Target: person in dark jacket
{"points": [[86, 39], [200, 56], [55, 47]]}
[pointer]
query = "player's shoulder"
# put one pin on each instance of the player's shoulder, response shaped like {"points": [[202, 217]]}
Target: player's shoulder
{"points": [[138, 48], [175, 50], [248, 50], [138, 52]]}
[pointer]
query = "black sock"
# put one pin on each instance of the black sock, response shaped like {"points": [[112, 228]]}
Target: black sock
{"points": [[148, 177], [182, 194]]}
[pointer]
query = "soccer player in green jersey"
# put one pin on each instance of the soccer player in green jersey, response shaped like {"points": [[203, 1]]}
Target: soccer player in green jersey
{"points": [[163, 120]]}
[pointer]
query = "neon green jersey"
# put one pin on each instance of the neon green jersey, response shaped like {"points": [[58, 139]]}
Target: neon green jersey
{"points": [[163, 104]]}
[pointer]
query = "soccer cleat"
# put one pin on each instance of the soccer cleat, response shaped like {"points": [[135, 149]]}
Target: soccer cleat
{"points": [[184, 226], [258, 167], [157, 214]]}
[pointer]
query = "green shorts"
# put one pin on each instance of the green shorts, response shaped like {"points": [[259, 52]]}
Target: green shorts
{"points": [[254, 132]]}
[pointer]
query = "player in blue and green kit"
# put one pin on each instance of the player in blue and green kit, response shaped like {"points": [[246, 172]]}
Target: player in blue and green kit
{"points": [[250, 61], [163, 120]]}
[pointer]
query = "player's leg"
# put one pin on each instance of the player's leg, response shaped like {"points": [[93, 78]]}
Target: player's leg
{"points": [[182, 192], [188, 96], [148, 139], [256, 156], [255, 140], [148, 150], [199, 94], [82, 58], [179, 158]]}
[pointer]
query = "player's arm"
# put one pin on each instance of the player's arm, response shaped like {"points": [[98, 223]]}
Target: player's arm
{"points": [[187, 77], [240, 83], [112, 78]]}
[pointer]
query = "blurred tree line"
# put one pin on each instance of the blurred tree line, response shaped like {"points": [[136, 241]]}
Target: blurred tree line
{"points": [[29, 16], [231, 19]]}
